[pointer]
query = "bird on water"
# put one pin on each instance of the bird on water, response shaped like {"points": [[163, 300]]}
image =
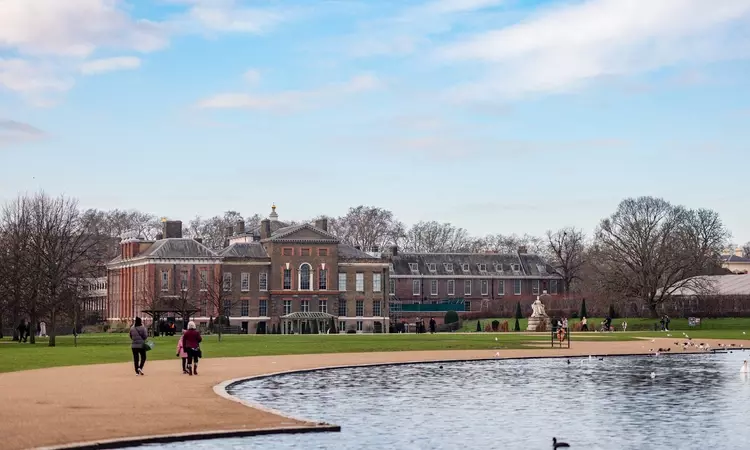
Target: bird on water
{"points": [[556, 445]]}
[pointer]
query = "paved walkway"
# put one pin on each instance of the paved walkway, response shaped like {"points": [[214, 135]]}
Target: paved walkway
{"points": [[65, 405]]}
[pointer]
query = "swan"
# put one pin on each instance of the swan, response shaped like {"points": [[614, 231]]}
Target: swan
{"points": [[744, 367], [653, 374], [556, 445]]}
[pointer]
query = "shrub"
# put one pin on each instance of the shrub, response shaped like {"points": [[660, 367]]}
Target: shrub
{"points": [[495, 325], [451, 317], [519, 314], [583, 309], [488, 328], [517, 326], [479, 325], [574, 315], [612, 312]]}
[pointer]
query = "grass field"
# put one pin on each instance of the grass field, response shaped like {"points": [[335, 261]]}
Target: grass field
{"points": [[634, 324], [112, 348]]}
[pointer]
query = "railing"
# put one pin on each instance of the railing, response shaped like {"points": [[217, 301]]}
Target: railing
{"points": [[561, 336]]}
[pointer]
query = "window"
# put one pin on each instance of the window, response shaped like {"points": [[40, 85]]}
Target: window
{"points": [[359, 325], [204, 308], [304, 252], [485, 287], [517, 287], [323, 306], [376, 282], [392, 287], [415, 288], [263, 281], [414, 267], [305, 280], [451, 287], [465, 267], [322, 279], [245, 308], [184, 275], [287, 279], [499, 268], [342, 281], [359, 281], [467, 306], [287, 307], [304, 305], [322, 252], [245, 282], [433, 287], [287, 251], [448, 267], [482, 267], [500, 287], [164, 280], [390, 268], [432, 267], [227, 281], [226, 307], [553, 286], [377, 310], [467, 287], [360, 308], [342, 307], [541, 268], [204, 279], [535, 287], [263, 308], [342, 326], [516, 267]]}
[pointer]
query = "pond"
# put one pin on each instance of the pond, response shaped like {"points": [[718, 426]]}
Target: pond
{"points": [[692, 402]]}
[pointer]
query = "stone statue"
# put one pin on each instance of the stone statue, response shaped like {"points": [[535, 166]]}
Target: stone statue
{"points": [[538, 309], [538, 316]]}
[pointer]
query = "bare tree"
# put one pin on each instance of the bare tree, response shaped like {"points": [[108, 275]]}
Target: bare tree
{"points": [[364, 226], [213, 230], [649, 249], [435, 237], [216, 289], [746, 250], [567, 249], [16, 274]]}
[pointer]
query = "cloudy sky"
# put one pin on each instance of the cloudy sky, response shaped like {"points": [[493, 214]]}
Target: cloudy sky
{"points": [[495, 115]]}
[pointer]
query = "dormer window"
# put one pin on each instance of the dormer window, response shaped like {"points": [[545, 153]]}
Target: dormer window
{"points": [[499, 268], [482, 267], [465, 267], [516, 267], [432, 267], [448, 267], [414, 267], [542, 270]]}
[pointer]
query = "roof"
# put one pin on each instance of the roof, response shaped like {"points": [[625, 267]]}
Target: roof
{"points": [[244, 250], [178, 248], [735, 259], [348, 252], [309, 315], [529, 264], [716, 285], [305, 232]]}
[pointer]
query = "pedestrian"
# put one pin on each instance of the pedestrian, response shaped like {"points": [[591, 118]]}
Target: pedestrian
{"points": [[43, 328], [433, 325], [182, 353], [22, 327], [584, 325], [138, 336], [191, 341]]}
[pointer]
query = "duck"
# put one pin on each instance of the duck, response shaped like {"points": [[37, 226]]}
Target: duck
{"points": [[556, 445]]}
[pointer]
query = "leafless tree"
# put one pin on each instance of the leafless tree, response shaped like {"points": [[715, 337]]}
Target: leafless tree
{"points": [[649, 249], [16, 273], [216, 290], [567, 249], [746, 250], [212, 230], [365, 226], [433, 237]]}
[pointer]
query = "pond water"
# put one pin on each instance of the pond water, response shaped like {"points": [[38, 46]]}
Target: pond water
{"points": [[693, 402]]}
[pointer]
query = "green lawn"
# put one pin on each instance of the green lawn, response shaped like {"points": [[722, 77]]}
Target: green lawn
{"points": [[634, 324]]}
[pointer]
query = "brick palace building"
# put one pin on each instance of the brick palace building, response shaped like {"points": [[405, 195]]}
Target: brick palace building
{"points": [[273, 276]]}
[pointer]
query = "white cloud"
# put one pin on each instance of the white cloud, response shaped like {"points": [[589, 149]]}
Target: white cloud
{"points": [[227, 16], [563, 47], [252, 76], [32, 77], [104, 65], [290, 101]]}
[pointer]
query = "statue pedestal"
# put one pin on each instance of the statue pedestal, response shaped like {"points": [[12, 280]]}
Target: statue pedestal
{"points": [[535, 321]]}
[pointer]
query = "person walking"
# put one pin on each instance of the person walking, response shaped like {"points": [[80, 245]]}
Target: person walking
{"points": [[584, 325], [138, 336], [433, 325], [182, 353], [191, 341], [23, 331]]}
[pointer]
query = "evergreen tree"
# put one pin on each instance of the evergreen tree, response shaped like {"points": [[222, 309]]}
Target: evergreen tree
{"points": [[612, 312], [583, 309], [479, 326], [517, 327], [519, 314]]}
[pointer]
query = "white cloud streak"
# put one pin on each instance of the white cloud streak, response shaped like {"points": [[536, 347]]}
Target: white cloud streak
{"points": [[104, 65], [14, 132]]}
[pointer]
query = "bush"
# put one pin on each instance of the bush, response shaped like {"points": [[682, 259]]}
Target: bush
{"points": [[519, 314], [119, 327], [583, 309], [517, 326], [495, 325], [451, 317], [479, 325]]}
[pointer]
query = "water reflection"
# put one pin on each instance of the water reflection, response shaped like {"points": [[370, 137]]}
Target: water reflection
{"points": [[694, 402]]}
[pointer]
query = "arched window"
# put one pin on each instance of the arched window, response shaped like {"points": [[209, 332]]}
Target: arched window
{"points": [[305, 277]]}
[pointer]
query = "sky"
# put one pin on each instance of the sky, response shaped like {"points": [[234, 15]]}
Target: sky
{"points": [[498, 116]]}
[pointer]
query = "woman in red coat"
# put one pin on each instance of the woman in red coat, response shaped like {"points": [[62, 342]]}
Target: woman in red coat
{"points": [[191, 342]]}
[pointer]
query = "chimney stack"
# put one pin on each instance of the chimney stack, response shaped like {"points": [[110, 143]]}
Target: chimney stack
{"points": [[265, 229], [171, 229], [228, 230], [239, 227], [322, 224]]}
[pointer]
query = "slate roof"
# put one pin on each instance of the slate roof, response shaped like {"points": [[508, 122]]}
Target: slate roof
{"points": [[530, 265], [244, 250], [718, 285], [735, 259], [178, 248], [348, 252]]}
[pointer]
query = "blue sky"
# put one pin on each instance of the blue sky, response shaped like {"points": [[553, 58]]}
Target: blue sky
{"points": [[509, 116]]}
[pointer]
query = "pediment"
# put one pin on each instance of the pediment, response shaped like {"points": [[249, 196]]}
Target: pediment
{"points": [[304, 232]]}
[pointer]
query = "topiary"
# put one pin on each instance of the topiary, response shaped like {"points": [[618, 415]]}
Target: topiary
{"points": [[495, 325], [583, 309], [519, 314], [479, 326], [517, 327], [612, 312], [451, 317]]}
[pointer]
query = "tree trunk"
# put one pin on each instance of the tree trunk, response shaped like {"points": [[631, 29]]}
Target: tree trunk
{"points": [[652, 309], [52, 326], [32, 328]]}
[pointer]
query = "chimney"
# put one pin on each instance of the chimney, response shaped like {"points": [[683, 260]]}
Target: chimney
{"points": [[171, 229], [159, 236], [239, 227], [199, 240], [265, 229], [228, 230], [522, 249], [738, 252], [394, 250], [322, 224]]}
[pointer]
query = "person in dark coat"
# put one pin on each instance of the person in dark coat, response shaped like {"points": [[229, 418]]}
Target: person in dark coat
{"points": [[191, 342], [23, 331], [433, 325]]}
